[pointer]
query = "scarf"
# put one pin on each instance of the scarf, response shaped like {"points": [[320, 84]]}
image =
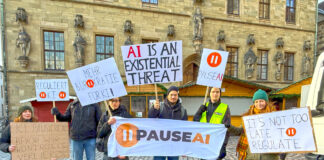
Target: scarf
{"points": [[243, 145], [20, 119]]}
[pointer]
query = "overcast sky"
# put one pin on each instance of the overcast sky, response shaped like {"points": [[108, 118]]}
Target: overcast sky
{"points": [[319, 1]]}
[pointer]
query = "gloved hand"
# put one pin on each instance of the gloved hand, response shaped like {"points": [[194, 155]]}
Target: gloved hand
{"points": [[222, 153], [320, 107], [55, 111], [202, 108]]}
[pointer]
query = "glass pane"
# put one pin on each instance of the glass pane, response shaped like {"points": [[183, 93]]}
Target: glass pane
{"points": [[125, 101], [100, 44], [138, 103], [151, 100]]}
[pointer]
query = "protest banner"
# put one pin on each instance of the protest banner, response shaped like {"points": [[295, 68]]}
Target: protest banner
{"points": [[153, 63], [280, 132], [97, 82], [164, 137], [40, 141], [52, 89]]}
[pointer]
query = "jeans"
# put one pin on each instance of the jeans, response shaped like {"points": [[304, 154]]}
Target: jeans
{"points": [[163, 158], [87, 145]]}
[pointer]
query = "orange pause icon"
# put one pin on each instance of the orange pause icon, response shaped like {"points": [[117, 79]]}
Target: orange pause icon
{"points": [[214, 59], [90, 83], [126, 135], [291, 132], [42, 95], [62, 95]]}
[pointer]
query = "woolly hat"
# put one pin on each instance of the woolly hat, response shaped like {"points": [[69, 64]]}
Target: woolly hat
{"points": [[23, 109], [173, 88], [260, 94]]}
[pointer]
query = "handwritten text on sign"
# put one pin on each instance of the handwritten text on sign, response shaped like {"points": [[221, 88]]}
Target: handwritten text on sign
{"points": [[212, 67], [284, 131], [39, 141], [52, 89], [153, 63], [97, 82]]}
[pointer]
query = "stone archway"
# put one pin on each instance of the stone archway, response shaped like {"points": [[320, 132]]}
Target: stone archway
{"points": [[191, 68]]}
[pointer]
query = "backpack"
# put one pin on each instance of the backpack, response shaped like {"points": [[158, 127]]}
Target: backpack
{"points": [[100, 142]]}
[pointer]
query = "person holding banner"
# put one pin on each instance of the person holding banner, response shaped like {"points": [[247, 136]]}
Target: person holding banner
{"points": [[260, 105], [171, 108], [25, 114], [215, 112], [83, 130], [106, 121]]}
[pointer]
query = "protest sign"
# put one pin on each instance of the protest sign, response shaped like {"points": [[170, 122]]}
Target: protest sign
{"points": [[164, 137], [212, 67], [97, 82], [52, 89], [283, 131], [39, 141], [153, 63]]}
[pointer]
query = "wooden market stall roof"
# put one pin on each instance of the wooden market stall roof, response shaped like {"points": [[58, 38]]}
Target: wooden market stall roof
{"points": [[292, 89], [234, 87]]}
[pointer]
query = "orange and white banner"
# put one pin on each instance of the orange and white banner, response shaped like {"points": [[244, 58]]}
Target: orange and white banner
{"points": [[163, 137]]}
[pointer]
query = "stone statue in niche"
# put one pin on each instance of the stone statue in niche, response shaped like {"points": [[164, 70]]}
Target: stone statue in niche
{"points": [[307, 45], [306, 62], [249, 60], [250, 40], [128, 26], [171, 31], [280, 61], [280, 43], [128, 41], [220, 48], [79, 45], [78, 21], [23, 42], [21, 15], [198, 25], [221, 36]]}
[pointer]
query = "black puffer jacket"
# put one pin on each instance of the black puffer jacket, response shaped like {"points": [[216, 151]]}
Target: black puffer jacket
{"points": [[5, 139], [84, 120], [167, 111], [104, 129]]}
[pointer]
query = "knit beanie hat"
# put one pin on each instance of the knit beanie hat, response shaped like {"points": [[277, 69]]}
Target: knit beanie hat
{"points": [[23, 109], [173, 88], [260, 94]]}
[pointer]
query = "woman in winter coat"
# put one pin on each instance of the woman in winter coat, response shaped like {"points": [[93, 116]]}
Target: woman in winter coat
{"points": [[25, 114], [260, 105], [106, 121]]}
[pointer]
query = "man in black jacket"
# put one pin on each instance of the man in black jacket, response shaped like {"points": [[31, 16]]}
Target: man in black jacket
{"points": [[83, 129]]}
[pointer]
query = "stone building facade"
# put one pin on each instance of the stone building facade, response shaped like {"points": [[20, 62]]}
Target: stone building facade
{"points": [[270, 42]]}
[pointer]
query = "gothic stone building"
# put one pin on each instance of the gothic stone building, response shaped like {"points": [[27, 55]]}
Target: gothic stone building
{"points": [[270, 42]]}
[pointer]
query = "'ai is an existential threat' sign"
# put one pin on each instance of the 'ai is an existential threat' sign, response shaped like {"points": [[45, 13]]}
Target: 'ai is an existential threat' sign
{"points": [[52, 89], [282, 131]]}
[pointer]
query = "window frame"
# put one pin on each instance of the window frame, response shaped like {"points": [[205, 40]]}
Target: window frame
{"points": [[150, 2], [288, 13], [260, 64], [229, 61], [106, 55], [263, 4], [54, 50], [230, 9], [286, 66]]}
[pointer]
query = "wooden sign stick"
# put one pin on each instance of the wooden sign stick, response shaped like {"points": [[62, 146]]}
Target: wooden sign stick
{"points": [[108, 109], [54, 115], [206, 95]]}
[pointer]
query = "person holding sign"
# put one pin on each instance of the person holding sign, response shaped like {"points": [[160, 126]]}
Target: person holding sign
{"points": [[25, 114], [83, 129], [217, 113], [106, 121], [260, 105], [171, 108]]}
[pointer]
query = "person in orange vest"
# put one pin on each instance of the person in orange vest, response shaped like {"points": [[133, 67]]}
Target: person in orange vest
{"points": [[215, 112]]}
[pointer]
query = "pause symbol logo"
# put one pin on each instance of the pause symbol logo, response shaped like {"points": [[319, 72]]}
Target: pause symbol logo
{"points": [[126, 135], [214, 59]]}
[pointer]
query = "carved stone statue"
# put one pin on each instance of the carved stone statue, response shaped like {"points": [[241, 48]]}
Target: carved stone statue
{"points": [[280, 61], [198, 22], [249, 60], [250, 40], [23, 42], [79, 45], [171, 31], [128, 26], [306, 62], [307, 45], [220, 48], [78, 21], [221, 36], [280, 43], [128, 41], [21, 15]]}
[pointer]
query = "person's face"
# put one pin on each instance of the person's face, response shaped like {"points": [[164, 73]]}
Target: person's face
{"points": [[260, 104], [114, 103], [215, 94], [26, 115], [173, 97]]}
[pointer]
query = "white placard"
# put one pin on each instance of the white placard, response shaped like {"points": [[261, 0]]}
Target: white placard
{"points": [[97, 82], [153, 63], [279, 132], [52, 90], [212, 67]]}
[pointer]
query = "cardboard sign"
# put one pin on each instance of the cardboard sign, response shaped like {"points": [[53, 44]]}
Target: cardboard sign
{"points": [[97, 82], [279, 132], [40, 141], [52, 89], [212, 67], [165, 137], [153, 63]]}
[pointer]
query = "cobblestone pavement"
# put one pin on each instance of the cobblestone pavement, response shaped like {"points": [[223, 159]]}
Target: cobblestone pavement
{"points": [[230, 154]]}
